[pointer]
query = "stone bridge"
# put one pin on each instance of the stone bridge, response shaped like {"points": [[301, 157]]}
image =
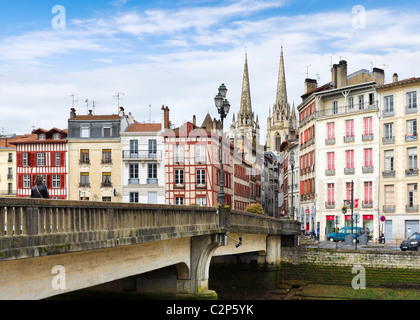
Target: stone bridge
{"points": [[51, 247]]}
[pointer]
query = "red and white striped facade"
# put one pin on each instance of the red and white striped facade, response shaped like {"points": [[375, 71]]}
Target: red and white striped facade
{"points": [[46, 156]]}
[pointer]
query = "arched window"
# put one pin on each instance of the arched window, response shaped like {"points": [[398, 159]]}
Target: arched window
{"points": [[278, 142]]}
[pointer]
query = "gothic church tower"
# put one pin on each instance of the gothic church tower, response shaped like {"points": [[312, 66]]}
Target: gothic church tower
{"points": [[281, 122]]}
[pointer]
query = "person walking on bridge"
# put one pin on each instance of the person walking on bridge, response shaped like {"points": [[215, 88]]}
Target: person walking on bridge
{"points": [[39, 190]]}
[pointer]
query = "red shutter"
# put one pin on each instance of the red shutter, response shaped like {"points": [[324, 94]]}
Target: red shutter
{"points": [[19, 159]]}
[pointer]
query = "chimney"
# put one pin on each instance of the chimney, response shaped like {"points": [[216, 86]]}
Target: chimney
{"points": [[90, 112], [121, 112], [341, 74], [194, 119], [166, 118], [310, 85], [334, 75], [379, 74], [72, 113], [395, 77]]}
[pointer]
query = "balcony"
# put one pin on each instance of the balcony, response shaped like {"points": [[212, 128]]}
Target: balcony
{"points": [[411, 137], [152, 181], [388, 113], [367, 169], [411, 109], [367, 204], [373, 105], [330, 172], [200, 186], [330, 141], [330, 205], [367, 137], [389, 208], [106, 184], [142, 155], [349, 170], [84, 185], [348, 138], [412, 208], [388, 173], [134, 181], [412, 172], [388, 140]]}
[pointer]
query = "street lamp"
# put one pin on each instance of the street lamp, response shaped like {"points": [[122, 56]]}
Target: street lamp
{"points": [[223, 108], [292, 164]]}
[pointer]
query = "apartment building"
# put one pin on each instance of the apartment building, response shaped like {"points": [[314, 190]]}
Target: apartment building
{"points": [[143, 169], [44, 152], [95, 156], [8, 180], [399, 147]]}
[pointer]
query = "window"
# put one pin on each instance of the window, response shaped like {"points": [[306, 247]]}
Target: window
{"points": [[331, 130], [85, 131], [200, 153], [368, 158], [106, 156], [134, 197], [361, 100], [179, 200], [179, 176], [348, 192], [411, 133], [133, 173], [368, 126], [26, 181], [106, 199], [278, 142], [371, 99], [334, 107], [9, 173], [331, 160], [10, 157], [201, 201], [368, 192], [389, 160], [389, 195], [40, 159], [152, 148], [152, 173], [84, 156], [331, 199], [351, 103], [24, 159], [201, 176], [412, 158], [388, 131], [179, 153], [411, 100], [134, 148], [56, 136], [349, 128], [84, 179], [41, 136], [412, 195], [107, 130], [56, 182], [349, 159], [57, 159], [389, 104], [106, 179]]}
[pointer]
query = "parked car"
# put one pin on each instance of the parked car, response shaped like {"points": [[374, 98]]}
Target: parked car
{"points": [[343, 232], [411, 243]]}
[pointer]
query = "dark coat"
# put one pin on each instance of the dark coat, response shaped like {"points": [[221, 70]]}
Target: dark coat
{"points": [[42, 189]]}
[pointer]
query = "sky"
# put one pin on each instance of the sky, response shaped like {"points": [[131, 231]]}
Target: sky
{"points": [[177, 53]]}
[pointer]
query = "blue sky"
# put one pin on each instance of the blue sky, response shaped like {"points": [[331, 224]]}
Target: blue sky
{"points": [[177, 53]]}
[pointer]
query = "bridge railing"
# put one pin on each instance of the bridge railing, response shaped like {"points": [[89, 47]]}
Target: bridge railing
{"points": [[23, 217]]}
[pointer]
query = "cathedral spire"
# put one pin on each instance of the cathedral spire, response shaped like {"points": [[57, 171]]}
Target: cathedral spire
{"points": [[281, 99], [246, 108]]}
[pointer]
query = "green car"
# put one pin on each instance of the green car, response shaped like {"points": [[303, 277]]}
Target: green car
{"points": [[343, 232]]}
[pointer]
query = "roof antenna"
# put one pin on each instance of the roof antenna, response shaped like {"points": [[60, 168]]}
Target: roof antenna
{"points": [[118, 98], [150, 113], [307, 70], [73, 100], [87, 106]]}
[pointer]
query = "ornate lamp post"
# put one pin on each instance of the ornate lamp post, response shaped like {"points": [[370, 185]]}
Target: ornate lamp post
{"points": [[223, 107], [292, 164]]}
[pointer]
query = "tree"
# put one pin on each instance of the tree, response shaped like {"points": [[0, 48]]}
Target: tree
{"points": [[254, 208]]}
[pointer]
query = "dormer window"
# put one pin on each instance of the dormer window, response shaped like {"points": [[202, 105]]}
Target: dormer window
{"points": [[41, 136], [56, 136]]}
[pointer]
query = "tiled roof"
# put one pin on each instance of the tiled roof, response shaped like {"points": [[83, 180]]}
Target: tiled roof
{"points": [[413, 79], [145, 127]]}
